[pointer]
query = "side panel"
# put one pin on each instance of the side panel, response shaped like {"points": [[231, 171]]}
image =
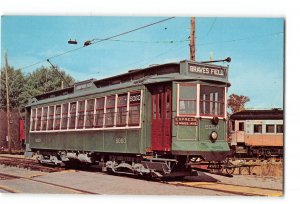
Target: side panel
{"points": [[115, 139], [123, 141]]}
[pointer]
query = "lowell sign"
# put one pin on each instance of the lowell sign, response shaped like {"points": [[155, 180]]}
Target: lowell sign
{"points": [[206, 70]]}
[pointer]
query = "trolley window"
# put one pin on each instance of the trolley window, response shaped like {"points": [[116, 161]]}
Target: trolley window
{"points": [[187, 99], [110, 111], [64, 122], [44, 118], [121, 109], [233, 125], [89, 118], [72, 120], [33, 119], [134, 109], [38, 119], [212, 100], [270, 128], [279, 128], [241, 126], [99, 112], [80, 118], [51, 118], [57, 117], [257, 128]]}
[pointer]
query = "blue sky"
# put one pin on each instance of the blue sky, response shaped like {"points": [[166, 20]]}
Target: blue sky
{"points": [[256, 46]]}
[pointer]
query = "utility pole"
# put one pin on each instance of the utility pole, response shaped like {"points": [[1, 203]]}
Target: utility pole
{"points": [[192, 40], [7, 104]]}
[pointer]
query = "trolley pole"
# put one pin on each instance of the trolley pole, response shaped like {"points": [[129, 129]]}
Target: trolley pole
{"points": [[192, 39], [7, 104]]}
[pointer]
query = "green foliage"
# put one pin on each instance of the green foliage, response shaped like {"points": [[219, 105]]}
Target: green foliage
{"points": [[237, 102], [16, 81], [23, 87]]}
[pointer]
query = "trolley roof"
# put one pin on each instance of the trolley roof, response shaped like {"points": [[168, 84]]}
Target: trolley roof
{"points": [[175, 71], [273, 114]]}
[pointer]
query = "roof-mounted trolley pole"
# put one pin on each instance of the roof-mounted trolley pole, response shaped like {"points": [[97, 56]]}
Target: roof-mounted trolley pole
{"points": [[228, 59], [62, 77]]}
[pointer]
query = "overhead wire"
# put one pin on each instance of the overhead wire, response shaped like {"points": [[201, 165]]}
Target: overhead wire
{"points": [[100, 40]]}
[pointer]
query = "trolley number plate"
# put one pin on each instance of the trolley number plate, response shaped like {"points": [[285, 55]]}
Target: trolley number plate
{"points": [[120, 140]]}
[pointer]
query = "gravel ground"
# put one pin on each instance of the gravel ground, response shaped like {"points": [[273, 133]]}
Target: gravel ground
{"points": [[119, 185], [99, 183], [253, 181]]}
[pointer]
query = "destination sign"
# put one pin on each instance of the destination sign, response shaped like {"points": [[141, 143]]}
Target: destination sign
{"points": [[211, 71], [187, 121]]}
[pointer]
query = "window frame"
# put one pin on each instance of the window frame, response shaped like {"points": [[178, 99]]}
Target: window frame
{"points": [[243, 126], [139, 104], [198, 99], [113, 114], [32, 119], [254, 128], [277, 129], [97, 109], [178, 100], [122, 106], [80, 113], [63, 114], [58, 116], [92, 111], [273, 129], [48, 120], [222, 104]]}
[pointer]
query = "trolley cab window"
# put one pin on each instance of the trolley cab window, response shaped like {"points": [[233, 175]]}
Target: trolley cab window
{"points": [[212, 100], [187, 99]]}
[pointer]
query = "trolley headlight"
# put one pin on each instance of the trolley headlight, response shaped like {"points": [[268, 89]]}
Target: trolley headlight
{"points": [[213, 136]]}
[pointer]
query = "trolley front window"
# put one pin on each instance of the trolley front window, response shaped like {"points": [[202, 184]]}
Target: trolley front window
{"points": [[187, 99], [212, 100]]}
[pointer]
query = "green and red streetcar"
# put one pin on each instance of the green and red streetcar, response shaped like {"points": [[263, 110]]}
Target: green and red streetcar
{"points": [[150, 121]]}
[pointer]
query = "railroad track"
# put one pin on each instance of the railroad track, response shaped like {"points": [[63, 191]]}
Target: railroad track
{"points": [[28, 164], [8, 176], [231, 188]]}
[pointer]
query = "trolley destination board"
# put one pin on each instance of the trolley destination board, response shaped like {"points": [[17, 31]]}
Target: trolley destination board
{"points": [[207, 70], [187, 121]]}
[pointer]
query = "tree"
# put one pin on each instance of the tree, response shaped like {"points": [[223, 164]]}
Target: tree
{"points": [[43, 80], [23, 87], [237, 102], [16, 81]]}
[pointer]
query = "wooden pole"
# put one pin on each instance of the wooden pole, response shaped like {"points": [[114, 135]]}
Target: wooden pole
{"points": [[7, 104], [192, 39]]}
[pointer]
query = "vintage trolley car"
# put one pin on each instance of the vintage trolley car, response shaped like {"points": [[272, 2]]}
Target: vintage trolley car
{"points": [[147, 121], [257, 133]]}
